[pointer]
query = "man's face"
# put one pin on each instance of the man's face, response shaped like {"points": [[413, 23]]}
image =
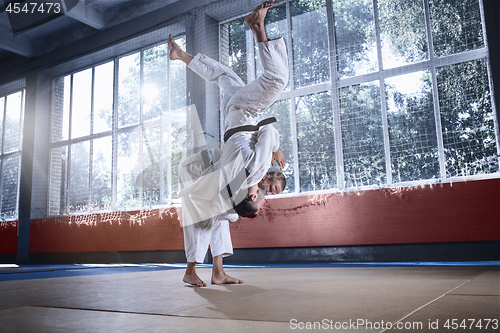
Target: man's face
{"points": [[270, 186]]}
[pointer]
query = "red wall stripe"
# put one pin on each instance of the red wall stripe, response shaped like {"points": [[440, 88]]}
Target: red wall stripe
{"points": [[8, 237], [458, 212]]}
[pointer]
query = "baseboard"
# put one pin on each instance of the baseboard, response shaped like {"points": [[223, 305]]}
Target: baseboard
{"points": [[460, 251]]}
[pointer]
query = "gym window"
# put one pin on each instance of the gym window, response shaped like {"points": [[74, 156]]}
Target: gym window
{"points": [[382, 92], [112, 122], [11, 124]]}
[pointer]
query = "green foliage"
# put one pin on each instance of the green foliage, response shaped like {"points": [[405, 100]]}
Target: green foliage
{"points": [[101, 176], [10, 185], [79, 176], [467, 119], [354, 36], [412, 133], [316, 146], [362, 135], [403, 26], [310, 49], [237, 47], [456, 26]]}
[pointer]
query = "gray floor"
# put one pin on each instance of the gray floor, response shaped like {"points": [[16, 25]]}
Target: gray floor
{"points": [[276, 299]]}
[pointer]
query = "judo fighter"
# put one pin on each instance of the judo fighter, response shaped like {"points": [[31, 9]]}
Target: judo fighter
{"points": [[217, 185]]}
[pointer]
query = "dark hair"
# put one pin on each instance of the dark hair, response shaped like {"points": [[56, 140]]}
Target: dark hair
{"points": [[247, 208]]}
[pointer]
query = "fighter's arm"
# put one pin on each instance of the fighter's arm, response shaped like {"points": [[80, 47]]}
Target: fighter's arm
{"points": [[279, 157], [267, 147]]}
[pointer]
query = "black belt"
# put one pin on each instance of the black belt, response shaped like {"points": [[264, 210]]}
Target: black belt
{"points": [[248, 128]]}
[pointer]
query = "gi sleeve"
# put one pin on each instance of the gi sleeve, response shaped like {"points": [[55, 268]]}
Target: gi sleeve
{"points": [[268, 141]]}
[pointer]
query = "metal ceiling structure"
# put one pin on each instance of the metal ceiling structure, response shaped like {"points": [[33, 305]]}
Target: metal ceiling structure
{"points": [[31, 28]]}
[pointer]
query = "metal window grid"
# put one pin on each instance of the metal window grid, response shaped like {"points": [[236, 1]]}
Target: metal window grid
{"points": [[379, 75]]}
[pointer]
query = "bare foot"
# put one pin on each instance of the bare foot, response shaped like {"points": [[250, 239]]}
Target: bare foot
{"points": [[194, 279], [175, 50], [256, 19], [225, 279]]}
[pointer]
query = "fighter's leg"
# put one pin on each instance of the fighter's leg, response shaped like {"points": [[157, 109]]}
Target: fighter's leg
{"points": [[196, 240], [259, 94], [219, 276], [191, 277], [176, 53], [256, 20], [221, 246], [212, 71], [208, 69]]}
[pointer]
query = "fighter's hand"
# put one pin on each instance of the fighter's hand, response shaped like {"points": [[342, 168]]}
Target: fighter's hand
{"points": [[279, 157]]}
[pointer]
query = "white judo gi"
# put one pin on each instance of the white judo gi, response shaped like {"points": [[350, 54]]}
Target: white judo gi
{"points": [[205, 207]]}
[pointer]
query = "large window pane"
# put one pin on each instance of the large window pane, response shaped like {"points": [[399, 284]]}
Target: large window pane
{"points": [[67, 107], [362, 135], [60, 108], [82, 97], [178, 96], [129, 166], [79, 176], [402, 32], [355, 37], [155, 88], [129, 90], [467, 119], [310, 42], [412, 127], [2, 109], [315, 140], [237, 34], [101, 173], [174, 143], [58, 180], [10, 186], [103, 97], [456, 26], [12, 135], [150, 179], [281, 110], [11, 130]]}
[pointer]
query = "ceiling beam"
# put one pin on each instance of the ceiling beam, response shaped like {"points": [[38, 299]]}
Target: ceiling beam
{"points": [[106, 38], [19, 45], [86, 15]]}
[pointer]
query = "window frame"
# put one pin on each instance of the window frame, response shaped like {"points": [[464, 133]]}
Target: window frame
{"points": [[336, 83]]}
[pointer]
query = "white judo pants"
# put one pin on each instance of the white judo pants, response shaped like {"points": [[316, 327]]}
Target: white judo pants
{"points": [[245, 104], [213, 232], [241, 105]]}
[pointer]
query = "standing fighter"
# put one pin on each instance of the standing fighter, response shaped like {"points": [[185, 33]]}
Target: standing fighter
{"points": [[250, 147]]}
